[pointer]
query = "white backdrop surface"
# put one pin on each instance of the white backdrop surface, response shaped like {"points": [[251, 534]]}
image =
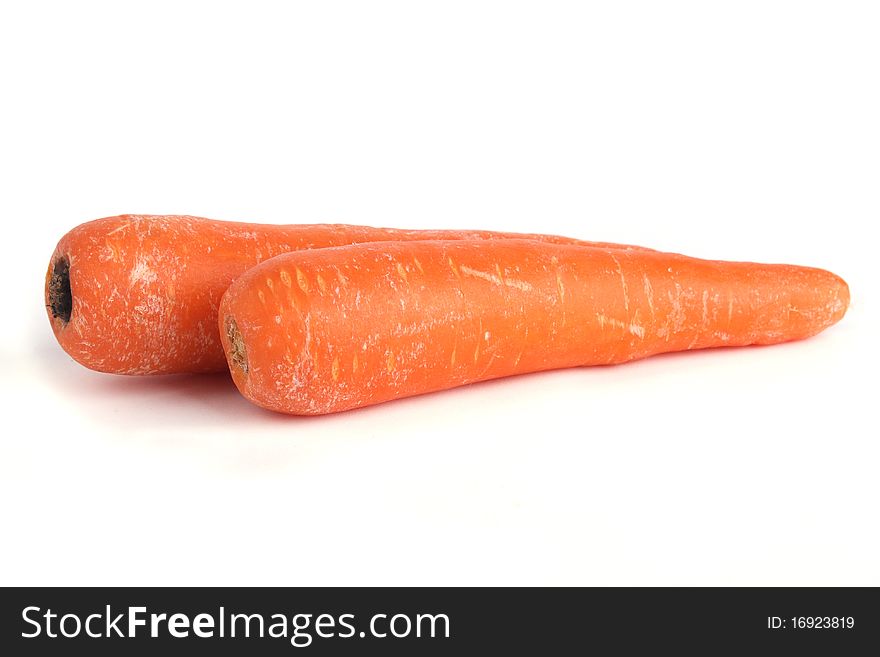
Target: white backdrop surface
{"points": [[723, 130]]}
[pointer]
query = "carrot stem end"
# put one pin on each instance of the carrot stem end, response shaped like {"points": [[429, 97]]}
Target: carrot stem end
{"points": [[237, 352], [60, 297]]}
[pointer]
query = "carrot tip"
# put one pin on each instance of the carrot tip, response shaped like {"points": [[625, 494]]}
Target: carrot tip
{"points": [[237, 352], [60, 297]]}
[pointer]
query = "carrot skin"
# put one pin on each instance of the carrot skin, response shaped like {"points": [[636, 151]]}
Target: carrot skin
{"points": [[334, 329], [143, 291]]}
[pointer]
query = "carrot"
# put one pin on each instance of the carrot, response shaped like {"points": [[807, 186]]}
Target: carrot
{"points": [[138, 294], [334, 329]]}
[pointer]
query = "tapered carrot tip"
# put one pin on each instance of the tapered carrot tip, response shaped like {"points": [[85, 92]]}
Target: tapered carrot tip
{"points": [[334, 329]]}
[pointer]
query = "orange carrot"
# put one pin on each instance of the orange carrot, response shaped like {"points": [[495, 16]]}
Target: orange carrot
{"points": [[334, 329], [139, 294]]}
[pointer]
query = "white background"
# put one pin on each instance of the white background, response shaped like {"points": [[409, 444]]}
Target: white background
{"points": [[747, 130]]}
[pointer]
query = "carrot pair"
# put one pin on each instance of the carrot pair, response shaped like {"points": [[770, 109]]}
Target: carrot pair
{"points": [[327, 318]]}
